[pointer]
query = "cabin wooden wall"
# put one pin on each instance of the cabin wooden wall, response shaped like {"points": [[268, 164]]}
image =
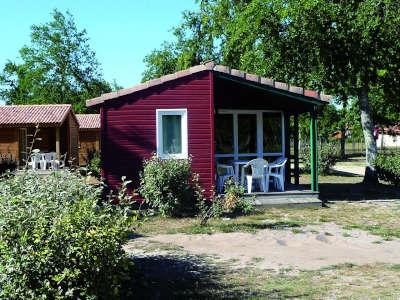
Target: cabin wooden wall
{"points": [[73, 139], [129, 128], [88, 140], [46, 138], [9, 142]]}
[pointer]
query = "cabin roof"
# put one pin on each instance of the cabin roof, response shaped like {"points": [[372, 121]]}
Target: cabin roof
{"points": [[224, 72], [47, 115], [88, 121]]}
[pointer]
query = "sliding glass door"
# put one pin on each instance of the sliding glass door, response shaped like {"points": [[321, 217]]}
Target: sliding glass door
{"points": [[247, 134]]}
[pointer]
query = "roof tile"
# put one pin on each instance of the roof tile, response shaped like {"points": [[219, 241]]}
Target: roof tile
{"points": [[210, 66], [47, 115], [88, 121]]}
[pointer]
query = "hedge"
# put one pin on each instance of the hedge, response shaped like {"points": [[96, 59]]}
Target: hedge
{"points": [[388, 167], [57, 242]]}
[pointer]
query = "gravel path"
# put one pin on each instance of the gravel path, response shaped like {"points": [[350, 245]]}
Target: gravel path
{"points": [[307, 248]]}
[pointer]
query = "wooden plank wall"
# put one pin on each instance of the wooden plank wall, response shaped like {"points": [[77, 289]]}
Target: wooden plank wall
{"points": [[129, 128], [9, 142], [88, 140], [73, 140]]}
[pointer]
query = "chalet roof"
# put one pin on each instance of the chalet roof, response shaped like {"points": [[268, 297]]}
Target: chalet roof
{"points": [[88, 121], [47, 115], [224, 70]]}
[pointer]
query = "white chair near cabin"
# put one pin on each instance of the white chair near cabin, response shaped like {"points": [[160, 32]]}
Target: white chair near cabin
{"points": [[34, 161], [60, 163], [224, 172], [43, 161], [257, 173], [276, 171], [50, 157]]}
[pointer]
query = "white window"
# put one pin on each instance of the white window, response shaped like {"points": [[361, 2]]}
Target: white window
{"points": [[247, 134], [172, 133]]}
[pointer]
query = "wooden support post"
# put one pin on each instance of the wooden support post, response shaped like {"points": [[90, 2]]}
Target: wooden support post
{"points": [[58, 142], [296, 149], [287, 131], [314, 152]]}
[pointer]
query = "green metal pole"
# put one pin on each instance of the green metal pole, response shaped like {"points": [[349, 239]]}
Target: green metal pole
{"points": [[314, 152]]}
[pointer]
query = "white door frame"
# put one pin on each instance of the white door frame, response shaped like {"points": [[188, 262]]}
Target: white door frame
{"points": [[260, 151]]}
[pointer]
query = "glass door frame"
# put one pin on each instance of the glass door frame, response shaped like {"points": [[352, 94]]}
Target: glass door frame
{"points": [[259, 117]]}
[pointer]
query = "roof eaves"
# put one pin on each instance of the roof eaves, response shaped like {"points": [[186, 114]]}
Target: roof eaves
{"points": [[280, 88], [212, 66]]}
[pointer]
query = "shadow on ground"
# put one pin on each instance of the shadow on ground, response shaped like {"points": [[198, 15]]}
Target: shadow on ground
{"points": [[182, 277], [357, 192]]}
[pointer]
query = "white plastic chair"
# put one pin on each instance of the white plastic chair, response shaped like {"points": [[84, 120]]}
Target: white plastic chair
{"points": [[34, 160], [60, 163], [43, 161], [276, 170], [50, 157], [224, 172], [257, 172]]}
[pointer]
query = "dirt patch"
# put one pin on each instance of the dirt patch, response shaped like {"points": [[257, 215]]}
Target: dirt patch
{"points": [[307, 248]]}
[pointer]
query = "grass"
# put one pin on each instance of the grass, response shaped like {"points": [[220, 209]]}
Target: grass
{"points": [[342, 281], [345, 281], [203, 278], [378, 219]]}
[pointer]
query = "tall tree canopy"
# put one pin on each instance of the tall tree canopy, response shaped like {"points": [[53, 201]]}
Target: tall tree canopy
{"points": [[58, 66], [349, 48]]}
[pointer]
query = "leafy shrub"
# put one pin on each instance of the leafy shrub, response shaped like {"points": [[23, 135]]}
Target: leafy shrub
{"points": [[93, 164], [327, 158], [56, 242], [388, 167], [7, 163], [232, 203], [165, 185]]}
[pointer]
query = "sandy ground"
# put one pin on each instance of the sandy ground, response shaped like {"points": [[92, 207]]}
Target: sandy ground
{"points": [[352, 169], [314, 248]]}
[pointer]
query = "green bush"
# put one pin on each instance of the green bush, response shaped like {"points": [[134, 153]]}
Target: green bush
{"points": [[94, 165], [232, 203], [165, 185], [388, 167], [7, 163], [233, 200], [327, 158], [56, 242]]}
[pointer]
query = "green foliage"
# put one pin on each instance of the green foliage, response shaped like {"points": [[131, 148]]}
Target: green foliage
{"points": [[345, 48], [160, 62], [57, 67], [93, 163], [56, 242], [327, 157], [388, 167], [232, 203], [194, 43], [165, 185], [7, 163]]}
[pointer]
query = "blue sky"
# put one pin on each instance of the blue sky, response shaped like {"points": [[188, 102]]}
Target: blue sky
{"points": [[121, 32]]}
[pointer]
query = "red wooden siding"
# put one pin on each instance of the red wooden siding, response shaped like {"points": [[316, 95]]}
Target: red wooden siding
{"points": [[129, 128]]}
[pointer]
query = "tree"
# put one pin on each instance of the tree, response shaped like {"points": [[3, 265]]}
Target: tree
{"points": [[195, 42], [57, 67], [346, 48], [354, 43]]}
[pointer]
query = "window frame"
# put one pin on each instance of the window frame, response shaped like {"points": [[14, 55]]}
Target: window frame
{"points": [[260, 151], [184, 132]]}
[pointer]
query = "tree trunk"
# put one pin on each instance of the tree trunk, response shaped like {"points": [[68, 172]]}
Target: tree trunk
{"points": [[370, 142], [342, 143]]}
